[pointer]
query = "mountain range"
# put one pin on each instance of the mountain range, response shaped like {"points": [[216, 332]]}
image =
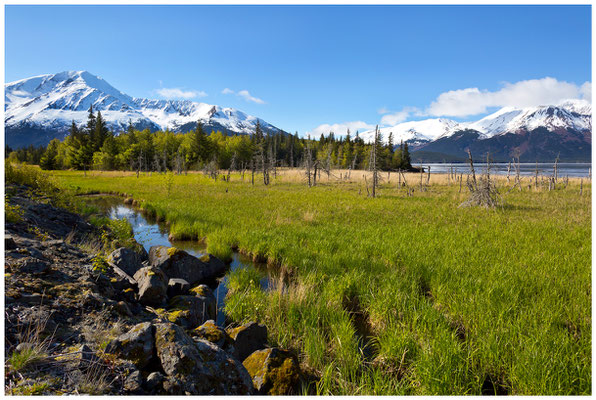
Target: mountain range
{"points": [[41, 108], [533, 133]]}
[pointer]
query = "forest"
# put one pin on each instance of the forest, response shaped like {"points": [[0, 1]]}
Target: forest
{"points": [[95, 147]]}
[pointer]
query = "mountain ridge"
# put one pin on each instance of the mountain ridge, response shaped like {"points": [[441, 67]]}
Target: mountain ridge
{"points": [[40, 108]]}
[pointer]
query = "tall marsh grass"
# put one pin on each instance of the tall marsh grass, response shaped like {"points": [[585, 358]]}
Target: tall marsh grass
{"points": [[449, 300]]}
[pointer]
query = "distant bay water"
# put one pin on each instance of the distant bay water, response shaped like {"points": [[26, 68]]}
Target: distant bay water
{"points": [[573, 170]]}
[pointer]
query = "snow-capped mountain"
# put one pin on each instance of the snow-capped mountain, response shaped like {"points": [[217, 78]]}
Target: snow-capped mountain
{"points": [[571, 114], [533, 133], [43, 107], [415, 132]]}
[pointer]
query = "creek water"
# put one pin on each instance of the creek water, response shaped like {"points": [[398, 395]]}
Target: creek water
{"points": [[149, 232]]}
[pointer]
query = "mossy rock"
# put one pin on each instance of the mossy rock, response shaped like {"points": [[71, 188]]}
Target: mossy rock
{"points": [[273, 371], [202, 290], [213, 333]]}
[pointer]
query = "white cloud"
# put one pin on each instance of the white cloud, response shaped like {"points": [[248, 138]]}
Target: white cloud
{"points": [[586, 91], [341, 128], [246, 96], [533, 92], [394, 118], [177, 93]]}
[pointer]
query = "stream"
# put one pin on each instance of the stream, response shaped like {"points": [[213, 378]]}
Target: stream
{"points": [[151, 233]]}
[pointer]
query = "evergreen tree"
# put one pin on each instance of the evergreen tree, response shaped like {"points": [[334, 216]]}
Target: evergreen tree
{"points": [[48, 160], [99, 133], [406, 161], [91, 121]]}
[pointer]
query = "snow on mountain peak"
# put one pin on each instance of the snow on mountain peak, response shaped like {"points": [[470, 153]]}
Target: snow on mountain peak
{"points": [[53, 101]]}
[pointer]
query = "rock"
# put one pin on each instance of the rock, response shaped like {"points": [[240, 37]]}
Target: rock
{"points": [[33, 266], [128, 200], [191, 311], [134, 382], [153, 286], [135, 345], [85, 358], [122, 308], [197, 368], [24, 347], [177, 287], [213, 333], [177, 263], [248, 338], [273, 371], [9, 243], [154, 381], [127, 260], [31, 299]]}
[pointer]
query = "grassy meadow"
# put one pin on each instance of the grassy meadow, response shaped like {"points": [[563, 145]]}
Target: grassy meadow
{"points": [[397, 294]]}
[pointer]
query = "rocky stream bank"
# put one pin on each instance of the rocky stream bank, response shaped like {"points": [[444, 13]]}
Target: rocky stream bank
{"points": [[134, 322]]}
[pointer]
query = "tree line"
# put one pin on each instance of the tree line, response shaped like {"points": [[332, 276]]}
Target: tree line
{"points": [[94, 146]]}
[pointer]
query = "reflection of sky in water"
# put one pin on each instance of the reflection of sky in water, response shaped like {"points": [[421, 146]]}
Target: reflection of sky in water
{"points": [[149, 235]]}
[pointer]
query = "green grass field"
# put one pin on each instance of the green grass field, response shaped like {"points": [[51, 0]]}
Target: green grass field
{"points": [[397, 294]]}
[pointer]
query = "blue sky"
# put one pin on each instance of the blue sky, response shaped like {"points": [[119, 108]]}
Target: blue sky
{"points": [[301, 67]]}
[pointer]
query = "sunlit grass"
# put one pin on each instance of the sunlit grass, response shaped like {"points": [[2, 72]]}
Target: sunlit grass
{"points": [[450, 297]]}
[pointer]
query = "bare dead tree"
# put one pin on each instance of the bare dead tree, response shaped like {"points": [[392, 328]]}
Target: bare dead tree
{"points": [[556, 169], [508, 172], [372, 164], [252, 169], [232, 166], [483, 193], [308, 164]]}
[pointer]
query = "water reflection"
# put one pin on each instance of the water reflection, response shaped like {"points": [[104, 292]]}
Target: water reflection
{"points": [[148, 232]]}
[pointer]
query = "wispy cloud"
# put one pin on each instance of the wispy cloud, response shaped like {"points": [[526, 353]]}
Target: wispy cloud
{"points": [[177, 93], [394, 118], [245, 94], [528, 93], [341, 128]]}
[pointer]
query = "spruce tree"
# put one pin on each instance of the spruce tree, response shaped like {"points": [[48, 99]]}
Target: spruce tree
{"points": [[100, 132]]}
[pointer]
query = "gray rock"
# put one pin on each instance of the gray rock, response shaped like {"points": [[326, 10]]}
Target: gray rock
{"points": [[122, 308], [177, 263], [134, 382], [9, 243], [154, 381], [85, 358], [191, 311], [31, 299], [126, 259], [33, 266], [197, 368], [248, 338], [24, 347], [135, 345], [177, 286], [153, 286]]}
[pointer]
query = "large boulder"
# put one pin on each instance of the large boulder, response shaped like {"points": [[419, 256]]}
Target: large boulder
{"points": [[197, 368], [191, 311], [177, 286], [248, 338], [127, 260], [135, 345], [177, 263], [273, 371], [153, 286]]}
